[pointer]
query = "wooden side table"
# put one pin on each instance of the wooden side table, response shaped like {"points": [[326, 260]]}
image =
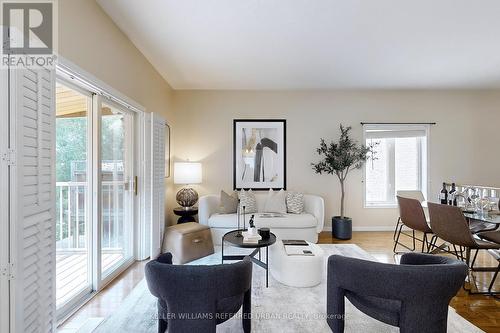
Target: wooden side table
{"points": [[186, 214]]}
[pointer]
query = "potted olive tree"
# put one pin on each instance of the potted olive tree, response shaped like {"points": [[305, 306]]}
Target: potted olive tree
{"points": [[339, 158]]}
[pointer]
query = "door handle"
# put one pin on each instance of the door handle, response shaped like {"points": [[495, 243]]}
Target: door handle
{"points": [[135, 185]]}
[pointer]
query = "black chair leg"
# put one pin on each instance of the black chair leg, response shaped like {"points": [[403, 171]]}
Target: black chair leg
{"points": [[490, 288], [247, 312], [474, 259], [162, 325], [425, 243], [458, 254], [432, 243], [396, 241], [396, 229]]}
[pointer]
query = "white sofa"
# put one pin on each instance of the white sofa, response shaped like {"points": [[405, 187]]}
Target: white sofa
{"points": [[305, 226]]}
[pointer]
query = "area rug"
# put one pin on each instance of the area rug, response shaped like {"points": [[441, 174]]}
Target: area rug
{"points": [[278, 308]]}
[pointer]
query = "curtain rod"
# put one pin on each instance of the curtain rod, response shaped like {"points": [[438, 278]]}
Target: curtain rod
{"points": [[362, 123]]}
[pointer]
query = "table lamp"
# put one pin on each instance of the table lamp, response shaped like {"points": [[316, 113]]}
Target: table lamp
{"points": [[187, 173]]}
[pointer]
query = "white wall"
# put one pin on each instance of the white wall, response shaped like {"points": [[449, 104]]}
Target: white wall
{"points": [[464, 145], [92, 41]]}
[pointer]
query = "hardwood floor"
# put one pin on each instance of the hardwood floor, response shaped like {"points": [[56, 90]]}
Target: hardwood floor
{"points": [[107, 301], [483, 311]]}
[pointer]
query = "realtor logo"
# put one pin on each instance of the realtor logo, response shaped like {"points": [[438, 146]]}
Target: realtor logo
{"points": [[28, 33]]}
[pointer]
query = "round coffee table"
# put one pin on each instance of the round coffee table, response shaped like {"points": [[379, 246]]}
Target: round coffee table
{"points": [[232, 238]]}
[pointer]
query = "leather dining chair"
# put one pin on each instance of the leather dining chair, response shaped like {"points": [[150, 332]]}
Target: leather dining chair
{"points": [[417, 195], [492, 236], [450, 224], [411, 215]]}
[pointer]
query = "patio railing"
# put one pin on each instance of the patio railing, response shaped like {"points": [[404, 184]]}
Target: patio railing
{"points": [[72, 215]]}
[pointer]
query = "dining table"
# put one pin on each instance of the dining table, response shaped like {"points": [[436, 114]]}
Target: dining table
{"points": [[492, 217]]}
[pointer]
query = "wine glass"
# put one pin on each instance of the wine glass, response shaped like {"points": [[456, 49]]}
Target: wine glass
{"points": [[475, 197]]}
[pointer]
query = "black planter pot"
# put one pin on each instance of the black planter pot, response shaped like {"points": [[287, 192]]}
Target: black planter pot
{"points": [[342, 228]]}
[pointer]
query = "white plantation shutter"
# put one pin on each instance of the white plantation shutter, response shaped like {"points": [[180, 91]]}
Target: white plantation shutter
{"points": [[144, 234], [32, 193], [4, 200], [157, 182]]}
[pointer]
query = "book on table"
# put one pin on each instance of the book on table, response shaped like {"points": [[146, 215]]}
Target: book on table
{"points": [[297, 247], [250, 238], [298, 250], [295, 242]]}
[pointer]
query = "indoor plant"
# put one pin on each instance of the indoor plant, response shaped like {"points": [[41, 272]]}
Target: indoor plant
{"points": [[340, 158]]}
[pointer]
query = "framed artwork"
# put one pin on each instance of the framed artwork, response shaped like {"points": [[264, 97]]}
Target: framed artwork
{"points": [[259, 154], [167, 151]]}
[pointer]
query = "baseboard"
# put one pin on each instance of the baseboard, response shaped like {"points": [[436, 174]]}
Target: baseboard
{"points": [[371, 228]]}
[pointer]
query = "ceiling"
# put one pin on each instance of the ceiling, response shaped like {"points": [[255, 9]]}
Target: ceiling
{"points": [[70, 103], [316, 44]]}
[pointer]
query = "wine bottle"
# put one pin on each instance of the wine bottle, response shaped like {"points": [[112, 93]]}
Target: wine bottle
{"points": [[451, 195], [443, 195]]}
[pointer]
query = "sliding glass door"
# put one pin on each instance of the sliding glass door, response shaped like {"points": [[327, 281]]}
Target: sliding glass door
{"points": [[95, 193], [73, 224], [116, 190]]}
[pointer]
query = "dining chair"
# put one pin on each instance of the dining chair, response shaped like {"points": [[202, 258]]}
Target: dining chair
{"points": [[417, 195], [492, 236], [411, 215], [450, 224]]}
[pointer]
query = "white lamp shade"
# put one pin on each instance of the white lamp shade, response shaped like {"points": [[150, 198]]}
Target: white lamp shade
{"points": [[187, 173]]}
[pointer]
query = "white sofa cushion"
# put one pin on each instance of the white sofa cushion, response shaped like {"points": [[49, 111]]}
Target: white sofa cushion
{"points": [[275, 202], [288, 221]]}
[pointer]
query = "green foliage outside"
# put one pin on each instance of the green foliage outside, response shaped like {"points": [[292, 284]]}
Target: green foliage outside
{"points": [[71, 142], [71, 146]]}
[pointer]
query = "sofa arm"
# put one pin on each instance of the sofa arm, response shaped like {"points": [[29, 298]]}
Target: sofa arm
{"points": [[207, 206], [315, 205]]}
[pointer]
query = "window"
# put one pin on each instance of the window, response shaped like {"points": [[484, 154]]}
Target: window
{"points": [[400, 162]]}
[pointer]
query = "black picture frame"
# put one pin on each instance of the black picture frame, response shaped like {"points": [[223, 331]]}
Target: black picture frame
{"points": [[256, 186]]}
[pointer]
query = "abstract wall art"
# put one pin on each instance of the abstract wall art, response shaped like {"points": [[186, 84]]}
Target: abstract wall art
{"points": [[259, 154]]}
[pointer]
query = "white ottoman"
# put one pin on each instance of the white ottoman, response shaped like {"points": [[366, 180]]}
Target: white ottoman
{"points": [[296, 271]]}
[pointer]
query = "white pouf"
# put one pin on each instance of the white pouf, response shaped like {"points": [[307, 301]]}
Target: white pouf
{"points": [[296, 271]]}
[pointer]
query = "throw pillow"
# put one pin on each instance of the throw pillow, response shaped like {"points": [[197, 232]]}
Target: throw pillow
{"points": [[295, 202], [247, 199], [275, 202], [228, 203]]}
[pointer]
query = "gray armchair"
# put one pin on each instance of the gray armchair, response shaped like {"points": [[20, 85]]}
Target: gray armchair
{"points": [[197, 298], [413, 296]]}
